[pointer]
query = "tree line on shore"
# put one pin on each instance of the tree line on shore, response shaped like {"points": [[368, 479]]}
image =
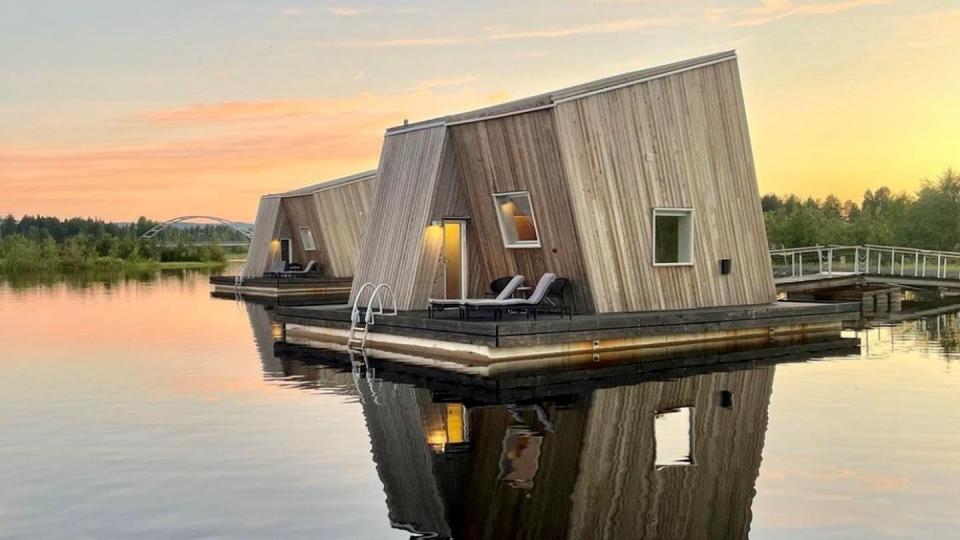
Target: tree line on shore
{"points": [[49, 243], [928, 219]]}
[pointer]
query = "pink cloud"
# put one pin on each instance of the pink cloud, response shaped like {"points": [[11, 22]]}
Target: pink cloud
{"points": [[232, 152]]}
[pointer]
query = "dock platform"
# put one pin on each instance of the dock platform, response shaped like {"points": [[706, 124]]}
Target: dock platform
{"points": [[488, 341], [322, 290]]}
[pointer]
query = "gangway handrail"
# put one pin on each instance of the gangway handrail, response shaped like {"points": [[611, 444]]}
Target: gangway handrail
{"points": [[869, 259], [945, 253]]}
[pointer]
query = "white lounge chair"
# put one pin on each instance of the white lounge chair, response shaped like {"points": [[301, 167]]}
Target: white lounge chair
{"points": [[439, 304], [528, 305], [311, 268], [276, 268]]}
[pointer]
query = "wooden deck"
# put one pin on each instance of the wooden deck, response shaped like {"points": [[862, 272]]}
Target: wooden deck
{"points": [[318, 290], [487, 341]]}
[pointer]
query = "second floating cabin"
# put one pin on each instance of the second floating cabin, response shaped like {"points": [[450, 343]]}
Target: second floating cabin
{"points": [[306, 241]]}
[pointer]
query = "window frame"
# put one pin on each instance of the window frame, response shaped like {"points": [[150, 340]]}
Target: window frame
{"points": [[313, 241], [521, 244], [674, 212]]}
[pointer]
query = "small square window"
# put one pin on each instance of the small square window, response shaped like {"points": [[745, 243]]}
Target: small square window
{"points": [[306, 238], [672, 435], [517, 222], [672, 236]]}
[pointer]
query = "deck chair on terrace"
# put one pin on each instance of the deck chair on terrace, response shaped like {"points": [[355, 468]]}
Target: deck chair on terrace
{"points": [[276, 268], [310, 269], [527, 305], [437, 305]]}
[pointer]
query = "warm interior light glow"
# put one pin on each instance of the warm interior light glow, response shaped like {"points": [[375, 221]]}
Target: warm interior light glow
{"points": [[455, 431], [437, 440], [517, 223], [444, 424]]}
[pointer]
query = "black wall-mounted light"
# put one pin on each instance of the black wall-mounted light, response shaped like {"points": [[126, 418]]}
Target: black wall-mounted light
{"points": [[726, 266]]}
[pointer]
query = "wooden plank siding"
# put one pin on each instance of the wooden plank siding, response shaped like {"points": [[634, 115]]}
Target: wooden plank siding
{"points": [[342, 215], [399, 243], [262, 251], [680, 141], [302, 212], [518, 153]]}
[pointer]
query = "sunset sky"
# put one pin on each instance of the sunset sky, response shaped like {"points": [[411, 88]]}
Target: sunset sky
{"points": [[123, 108]]}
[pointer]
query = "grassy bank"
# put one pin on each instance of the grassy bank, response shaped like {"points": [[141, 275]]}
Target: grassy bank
{"points": [[20, 253]]}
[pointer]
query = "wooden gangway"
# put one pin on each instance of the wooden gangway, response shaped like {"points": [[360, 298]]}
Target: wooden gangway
{"points": [[813, 267]]}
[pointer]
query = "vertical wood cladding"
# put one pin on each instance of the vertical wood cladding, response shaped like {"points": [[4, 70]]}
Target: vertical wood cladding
{"points": [[679, 141], [342, 215], [399, 246], [299, 212], [261, 252], [518, 153]]}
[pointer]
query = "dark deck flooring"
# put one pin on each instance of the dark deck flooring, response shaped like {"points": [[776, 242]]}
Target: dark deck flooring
{"points": [[550, 329]]}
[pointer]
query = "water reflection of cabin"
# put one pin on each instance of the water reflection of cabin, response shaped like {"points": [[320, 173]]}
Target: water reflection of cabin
{"points": [[639, 189], [306, 241], [590, 467]]}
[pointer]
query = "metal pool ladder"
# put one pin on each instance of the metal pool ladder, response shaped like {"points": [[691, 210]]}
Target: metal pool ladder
{"points": [[369, 318]]}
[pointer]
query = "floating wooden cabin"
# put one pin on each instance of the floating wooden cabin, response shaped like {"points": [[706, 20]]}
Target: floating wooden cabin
{"points": [[323, 223], [639, 189], [636, 188]]}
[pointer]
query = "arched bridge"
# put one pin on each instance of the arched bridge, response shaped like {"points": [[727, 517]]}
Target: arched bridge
{"points": [[241, 228]]}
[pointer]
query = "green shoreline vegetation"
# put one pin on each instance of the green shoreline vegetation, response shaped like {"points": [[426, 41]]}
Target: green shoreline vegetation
{"points": [[928, 219], [48, 244]]}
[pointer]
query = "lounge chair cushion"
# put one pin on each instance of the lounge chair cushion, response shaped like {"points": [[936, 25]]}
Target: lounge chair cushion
{"points": [[446, 301], [538, 294], [490, 302], [505, 294]]}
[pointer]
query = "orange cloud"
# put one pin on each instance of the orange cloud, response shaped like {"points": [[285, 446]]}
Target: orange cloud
{"points": [[231, 153]]}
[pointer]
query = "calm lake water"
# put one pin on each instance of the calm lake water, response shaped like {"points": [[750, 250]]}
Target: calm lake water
{"points": [[144, 408]]}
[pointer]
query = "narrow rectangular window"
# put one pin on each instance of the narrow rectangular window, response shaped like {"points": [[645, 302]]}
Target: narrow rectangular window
{"points": [[517, 222], [672, 236], [306, 238]]}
